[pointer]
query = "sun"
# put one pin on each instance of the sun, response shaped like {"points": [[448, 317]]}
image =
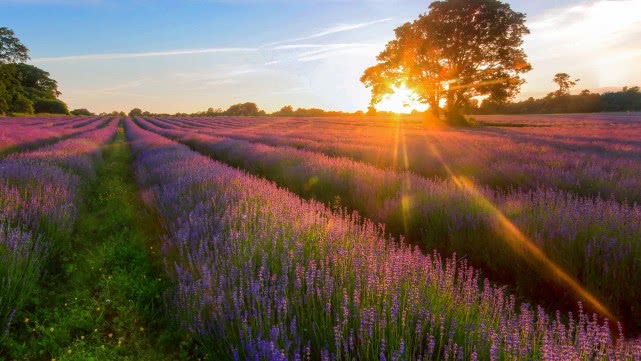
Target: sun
{"points": [[403, 101]]}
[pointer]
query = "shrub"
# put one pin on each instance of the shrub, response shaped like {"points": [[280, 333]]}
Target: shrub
{"points": [[53, 106], [22, 104], [81, 111]]}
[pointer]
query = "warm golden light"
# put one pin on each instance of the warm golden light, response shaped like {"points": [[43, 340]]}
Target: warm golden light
{"points": [[403, 101], [520, 243]]}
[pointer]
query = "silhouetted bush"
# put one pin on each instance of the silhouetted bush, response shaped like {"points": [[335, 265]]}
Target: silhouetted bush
{"points": [[52, 106]]}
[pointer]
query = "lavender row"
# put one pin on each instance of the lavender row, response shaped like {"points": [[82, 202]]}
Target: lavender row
{"points": [[20, 134], [594, 158], [39, 196], [262, 274], [596, 242]]}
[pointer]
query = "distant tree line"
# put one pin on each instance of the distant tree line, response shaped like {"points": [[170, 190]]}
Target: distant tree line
{"points": [[251, 109], [25, 88], [561, 101]]}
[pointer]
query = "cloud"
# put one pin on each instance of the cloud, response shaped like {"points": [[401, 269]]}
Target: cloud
{"points": [[311, 52], [333, 30], [331, 50], [315, 51], [141, 55], [596, 41], [586, 27]]}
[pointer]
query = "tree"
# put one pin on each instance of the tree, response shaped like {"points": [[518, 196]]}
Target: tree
{"points": [[11, 49], [9, 86], [53, 106], [211, 112], [135, 112], [371, 110], [37, 82], [21, 104], [628, 99], [244, 109], [565, 83], [81, 112], [459, 49], [285, 111], [24, 88]]}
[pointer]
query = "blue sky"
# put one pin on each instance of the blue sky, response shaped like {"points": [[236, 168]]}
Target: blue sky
{"points": [[170, 56]]}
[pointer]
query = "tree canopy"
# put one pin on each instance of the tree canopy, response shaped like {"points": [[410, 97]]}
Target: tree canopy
{"points": [[565, 83], [135, 112], [11, 49], [24, 88], [458, 50], [81, 111], [244, 109], [52, 106]]}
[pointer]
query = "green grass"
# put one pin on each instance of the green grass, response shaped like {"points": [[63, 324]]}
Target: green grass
{"points": [[106, 303], [23, 115]]}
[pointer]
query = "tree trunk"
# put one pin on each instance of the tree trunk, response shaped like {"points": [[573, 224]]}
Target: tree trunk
{"points": [[453, 112], [435, 110]]}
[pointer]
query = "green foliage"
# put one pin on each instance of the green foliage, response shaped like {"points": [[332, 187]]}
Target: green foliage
{"points": [[628, 99], [9, 84], [285, 111], [244, 109], [11, 49], [21, 104], [458, 50], [36, 83], [135, 112], [82, 111], [4, 99], [53, 106], [24, 88], [565, 83], [106, 303]]}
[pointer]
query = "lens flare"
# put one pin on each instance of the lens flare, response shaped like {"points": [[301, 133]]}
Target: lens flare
{"points": [[519, 242], [402, 101]]}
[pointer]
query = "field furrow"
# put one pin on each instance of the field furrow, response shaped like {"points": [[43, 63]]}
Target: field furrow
{"points": [[562, 248], [39, 200], [261, 273]]}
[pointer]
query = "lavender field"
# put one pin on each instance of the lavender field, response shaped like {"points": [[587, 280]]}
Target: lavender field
{"points": [[326, 180], [382, 238]]}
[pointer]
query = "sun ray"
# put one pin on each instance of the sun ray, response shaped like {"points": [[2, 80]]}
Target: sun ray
{"points": [[519, 242]]}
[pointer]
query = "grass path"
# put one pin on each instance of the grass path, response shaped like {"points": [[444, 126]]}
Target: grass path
{"points": [[106, 303]]}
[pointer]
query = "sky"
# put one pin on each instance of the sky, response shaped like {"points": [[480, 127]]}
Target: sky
{"points": [[190, 55]]}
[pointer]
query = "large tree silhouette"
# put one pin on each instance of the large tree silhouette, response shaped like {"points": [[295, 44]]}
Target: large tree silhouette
{"points": [[458, 50], [565, 83]]}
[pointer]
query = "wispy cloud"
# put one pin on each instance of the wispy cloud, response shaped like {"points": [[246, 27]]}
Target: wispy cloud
{"points": [[274, 46], [332, 50], [333, 30], [311, 52], [141, 55]]}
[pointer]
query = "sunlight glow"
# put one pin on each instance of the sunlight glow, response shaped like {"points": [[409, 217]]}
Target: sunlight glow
{"points": [[520, 243], [403, 101]]}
